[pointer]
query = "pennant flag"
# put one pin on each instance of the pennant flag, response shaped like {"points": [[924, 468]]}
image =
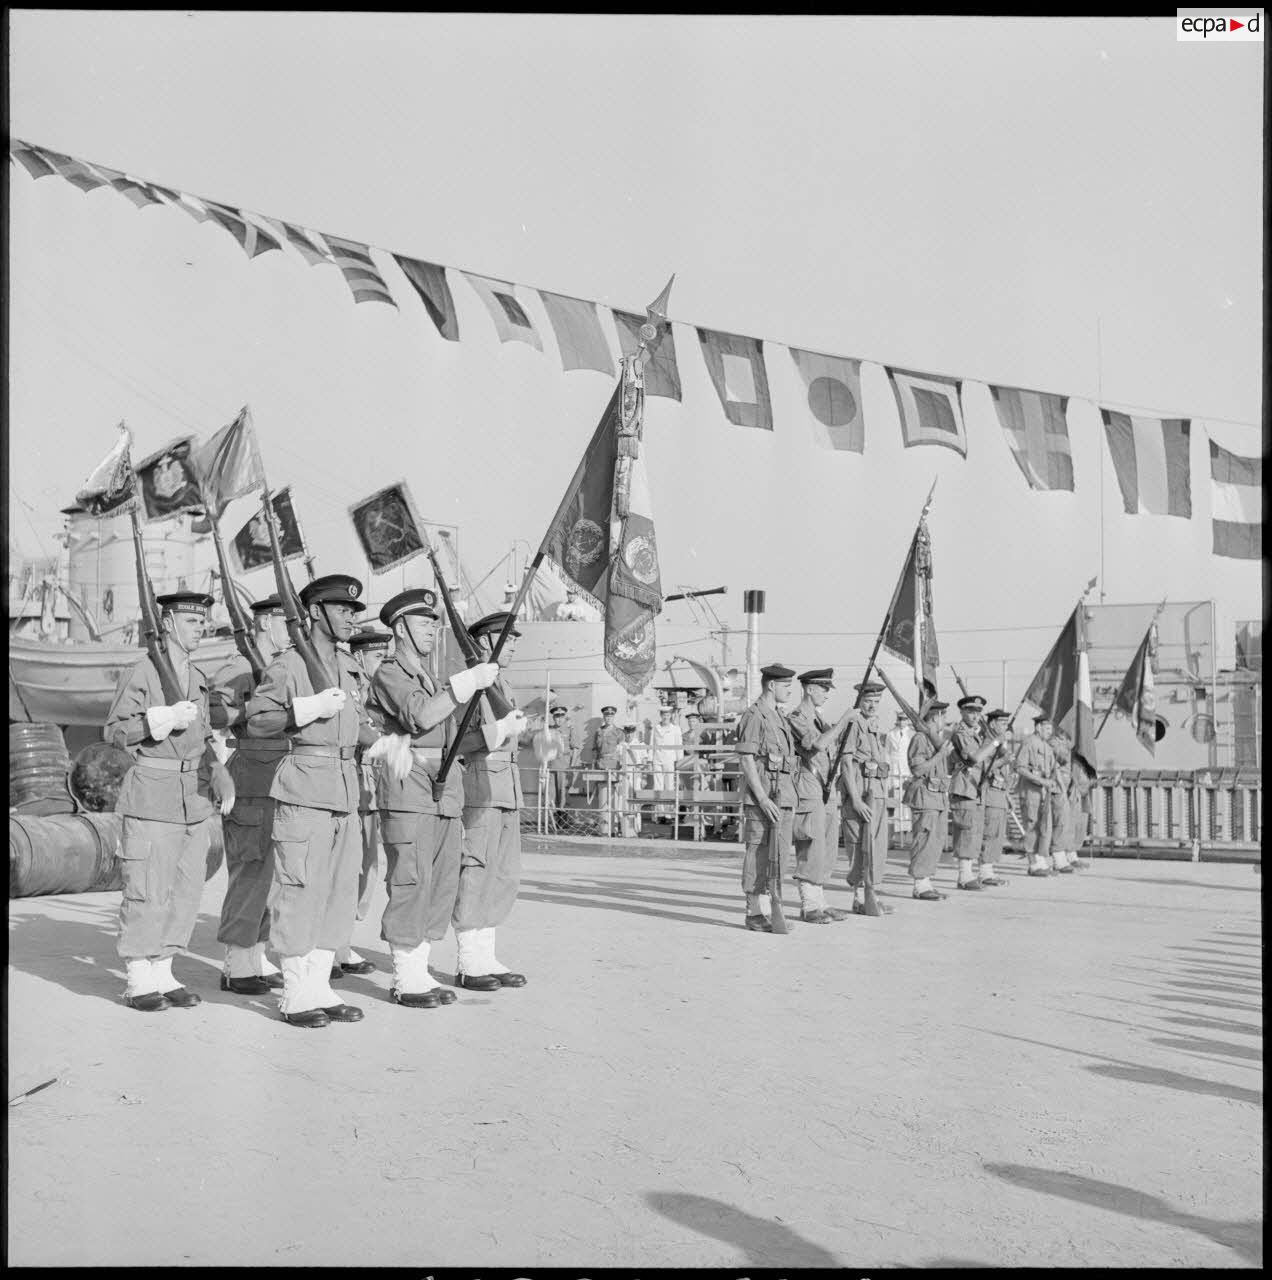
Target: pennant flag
{"points": [[511, 322], [229, 464], [1150, 456], [1062, 689], [254, 240], [602, 536], [77, 172], [131, 188], [1236, 504], [111, 489], [909, 630], [833, 386], [662, 376], [31, 159], [736, 365], [168, 481], [250, 547], [1137, 697], [429, 282], [388, 528], [929, 409], [1037, 434], [578, 333], [299, 240], [354, 261]]}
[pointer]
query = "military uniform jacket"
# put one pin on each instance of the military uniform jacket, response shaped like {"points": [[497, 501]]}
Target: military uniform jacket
{"points": [[930, 791], [965, 775], [158, 793], [1000, 778], [492, 779], [814, 762], [605, 744], [763, 732], [255, 760], [1036, 755], [866, 753], [1063, 771], [322, 780], [399, 696]]}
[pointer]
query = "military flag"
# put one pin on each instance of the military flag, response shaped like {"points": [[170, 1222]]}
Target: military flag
{"points": [[229, 465], [1062, 688], [578, 333], [736, 366], [509, 316], [250, 547], [354, 260], [1136, 699], [1236, 503], [929, 409], [111, 489], [662, 375], [429, 281], [1150, 456], [909, 631], [602, 537], [1037, 434], [833, 395], [388, 528], [168, 481]]}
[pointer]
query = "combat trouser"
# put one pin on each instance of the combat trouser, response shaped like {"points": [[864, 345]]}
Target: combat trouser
{"points": [[163, 866], [489, 868]]}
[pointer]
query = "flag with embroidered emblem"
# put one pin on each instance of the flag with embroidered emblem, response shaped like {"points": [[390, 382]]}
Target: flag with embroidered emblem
{"points": [[1150, 457], [250, 547], [1236, 503], [252, 239], [429, 281], [512, 324], [354, 261], [229, 465], [1037, 434], [578, 333], [111, 488], [388, 528], [1136, 699], [929, 407], [662, 376], [832, 386], [168, 481], [909, 630], [736, 366]]}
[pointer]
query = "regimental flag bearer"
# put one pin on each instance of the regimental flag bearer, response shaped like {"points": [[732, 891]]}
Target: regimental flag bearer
{"points": [[317, 843], [167, 805], [863, 782]]}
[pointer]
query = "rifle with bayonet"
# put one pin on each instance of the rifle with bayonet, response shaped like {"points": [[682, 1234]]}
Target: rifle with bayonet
{"points": [[152, 632], [297, 624], [776, 914], [244, 640]]}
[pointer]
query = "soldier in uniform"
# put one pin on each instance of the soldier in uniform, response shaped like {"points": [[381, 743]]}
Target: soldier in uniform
{"points": [[490, 866], [665, 739], [422, 835], [972, 747], [863, 781], [1035, 770], [316, 841], [1000, 777], [561, 765], [633, 757], [816, 828], [248, 828], [166, 804], [607, 738], [1063, 825], [927, 794], [766, 754], [369, 646]]}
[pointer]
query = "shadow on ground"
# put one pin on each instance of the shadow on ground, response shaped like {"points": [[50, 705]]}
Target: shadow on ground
{"points": [[764, 1243]]}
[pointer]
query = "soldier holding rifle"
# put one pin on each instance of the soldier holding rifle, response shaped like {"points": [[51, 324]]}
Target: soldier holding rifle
{"points": [[1000, 776], [1035, 770], [766, 754], [927, 795], [862, 781], [972, 748]]}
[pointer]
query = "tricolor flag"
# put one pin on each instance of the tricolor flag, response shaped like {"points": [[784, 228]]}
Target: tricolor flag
{"points": [[909, 629], [1062, 689], [1150, 456], [1236, 503], [602, 536], [111, 489], [578, 333], [253, 240], [662, 375], [302, 241], [1137, 697], [833, 388], [1036, 431], [929, 409], [429, 282], [736, 365], [500, 299], [168, 481], [354, 261], [229, 464]]}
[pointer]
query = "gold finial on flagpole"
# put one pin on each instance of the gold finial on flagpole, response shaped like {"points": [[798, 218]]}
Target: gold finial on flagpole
{"points": [[655, 319]]}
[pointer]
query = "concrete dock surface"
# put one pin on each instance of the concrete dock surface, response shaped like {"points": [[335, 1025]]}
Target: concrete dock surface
{"points": [[1058, 1072]]}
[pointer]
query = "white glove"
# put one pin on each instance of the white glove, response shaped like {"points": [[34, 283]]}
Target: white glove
{"points": [[161, 721], [187, 714], [500, 731], [394, 749], [319, 706], [464, 684], [515, 723]]}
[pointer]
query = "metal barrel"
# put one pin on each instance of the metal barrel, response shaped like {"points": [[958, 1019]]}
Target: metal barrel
{"points": [[74, 853], [38, 765]]}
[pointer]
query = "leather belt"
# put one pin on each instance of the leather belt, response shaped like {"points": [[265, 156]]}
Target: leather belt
{"points": [[428, 755], [261, 746], [171, 766], [330, 753]]}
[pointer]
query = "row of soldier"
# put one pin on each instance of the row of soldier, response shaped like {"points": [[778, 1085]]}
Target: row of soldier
{"points": [[807, 782], [299, 804]]}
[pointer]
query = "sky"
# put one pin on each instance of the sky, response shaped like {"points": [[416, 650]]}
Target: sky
{"points": [[1069, 205]]}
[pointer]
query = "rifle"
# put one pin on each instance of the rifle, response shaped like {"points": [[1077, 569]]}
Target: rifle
{"points": [[920, 726], [244, 641], [775, 869], [297, 627], [151, 625], [961, 685]]}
